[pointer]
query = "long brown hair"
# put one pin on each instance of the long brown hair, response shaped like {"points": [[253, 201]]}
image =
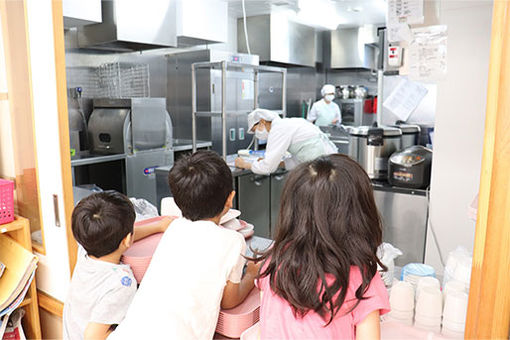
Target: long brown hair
{"points": [[328, 222]]}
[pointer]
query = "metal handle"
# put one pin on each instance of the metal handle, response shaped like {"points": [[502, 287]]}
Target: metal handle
{"points": [[55, 210], [257, 180]]}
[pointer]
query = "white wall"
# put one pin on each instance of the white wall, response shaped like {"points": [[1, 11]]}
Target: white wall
{"points": [[7, 168], [459, 128], [53, 273]]}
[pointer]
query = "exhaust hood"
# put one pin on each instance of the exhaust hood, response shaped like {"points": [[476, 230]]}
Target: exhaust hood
{"points": [[131, 25], [356, 47], [277, 39]]}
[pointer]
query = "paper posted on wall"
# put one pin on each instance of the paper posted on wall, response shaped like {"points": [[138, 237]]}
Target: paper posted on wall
{"points": [[399, 32], [428, 53], [405, 98], [405, 11]]}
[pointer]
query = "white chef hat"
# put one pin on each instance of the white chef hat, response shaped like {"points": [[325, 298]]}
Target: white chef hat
{"points": [[256, 115], [328, 88]]}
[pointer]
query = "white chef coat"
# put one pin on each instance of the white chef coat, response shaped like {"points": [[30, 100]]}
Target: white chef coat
{"points": [[284, 133], [324, 114]]}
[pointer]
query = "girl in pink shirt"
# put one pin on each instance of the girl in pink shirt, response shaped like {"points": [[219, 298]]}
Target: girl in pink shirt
{"points": [[320, 279]]}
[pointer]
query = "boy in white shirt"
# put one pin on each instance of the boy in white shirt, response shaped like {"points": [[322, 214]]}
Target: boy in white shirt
{"points": [[198, 264], [102, 288]]}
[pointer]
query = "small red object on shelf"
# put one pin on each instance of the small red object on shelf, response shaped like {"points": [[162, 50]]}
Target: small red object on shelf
{"points": [[6, 201]]}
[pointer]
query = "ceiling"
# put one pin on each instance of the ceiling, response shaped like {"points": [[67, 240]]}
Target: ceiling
{"points": [[349, 12]]}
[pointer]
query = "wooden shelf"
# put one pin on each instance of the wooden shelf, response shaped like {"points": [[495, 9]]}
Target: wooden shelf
{"points": [[19, 230], [17, 224], [25, 302]]}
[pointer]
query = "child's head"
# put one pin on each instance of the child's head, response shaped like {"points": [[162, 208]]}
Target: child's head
{"points": [[328, 222], [102, 221], [202, 185]]}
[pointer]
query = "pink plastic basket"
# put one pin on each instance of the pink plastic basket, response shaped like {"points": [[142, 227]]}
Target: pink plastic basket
{"points": [[6, 201]]}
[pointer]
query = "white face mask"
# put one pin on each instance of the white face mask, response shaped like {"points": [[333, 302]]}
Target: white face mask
{"points": [[261, 134], [329, 97]]}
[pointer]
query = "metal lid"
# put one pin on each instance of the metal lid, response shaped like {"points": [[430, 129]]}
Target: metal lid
{"points": [[408, 128], [365, 130]]}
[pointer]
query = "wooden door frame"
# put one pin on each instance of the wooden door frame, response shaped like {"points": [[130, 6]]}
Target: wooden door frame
{"points": [[489, 299], [63, 126]]}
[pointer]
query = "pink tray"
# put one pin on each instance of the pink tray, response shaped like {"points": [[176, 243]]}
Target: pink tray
{"points": [[233, 322], [139, 255]]}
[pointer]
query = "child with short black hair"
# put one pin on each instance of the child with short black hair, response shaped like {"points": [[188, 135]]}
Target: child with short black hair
{"points": [[102, 288], [198, 264]]}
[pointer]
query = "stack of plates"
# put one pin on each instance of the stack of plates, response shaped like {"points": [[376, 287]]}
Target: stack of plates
{"points": [[139, 255], [233, 322], [246, 229]]}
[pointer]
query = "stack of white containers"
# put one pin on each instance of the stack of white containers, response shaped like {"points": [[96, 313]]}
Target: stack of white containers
{"points": [[429, 306], [455, 309], [402, 302]]}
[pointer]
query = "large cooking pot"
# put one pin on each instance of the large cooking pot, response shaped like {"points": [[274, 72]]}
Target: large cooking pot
{"points": [[372, 146]]}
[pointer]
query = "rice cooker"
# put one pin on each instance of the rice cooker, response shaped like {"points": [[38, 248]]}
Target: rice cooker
{"points": [[410, 134], [410, 167], [372, 146]]}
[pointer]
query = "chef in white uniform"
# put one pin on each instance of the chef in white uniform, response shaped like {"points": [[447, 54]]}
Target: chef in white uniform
{"points": [[303, 140], [325, 112]]}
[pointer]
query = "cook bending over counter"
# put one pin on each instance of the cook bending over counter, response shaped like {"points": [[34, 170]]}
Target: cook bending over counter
{"points": [[303, 140]]}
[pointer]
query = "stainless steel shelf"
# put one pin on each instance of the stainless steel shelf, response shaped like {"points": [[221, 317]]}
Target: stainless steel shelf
{"points": [[226, 66], [232, 65], [187, 144], [218, 114], [88, 159]]}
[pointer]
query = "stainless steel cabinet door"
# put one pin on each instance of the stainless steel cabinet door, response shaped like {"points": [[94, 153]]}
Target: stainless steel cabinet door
{"points": [[277, 182], [253, 197], [404, 223]]}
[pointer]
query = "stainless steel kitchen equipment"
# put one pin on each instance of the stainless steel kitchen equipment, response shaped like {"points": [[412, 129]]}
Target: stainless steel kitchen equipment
{"points": [[249, 89], [372, 146], [353, 111], [404, 218], [128, 26], [208, 83], [351, 48], [410, 134], [411, 167], [258, 198], [339, 136], [162, 188], [139, 129], [278, 179], [253, 197], [275, 38]]}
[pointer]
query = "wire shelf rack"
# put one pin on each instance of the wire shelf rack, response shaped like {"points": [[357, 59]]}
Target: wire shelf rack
{"points": [[124, 80]]}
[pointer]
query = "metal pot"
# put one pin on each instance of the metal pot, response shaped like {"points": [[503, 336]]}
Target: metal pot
{"points": [[360, 92], [372, 146], [345, 93]]}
